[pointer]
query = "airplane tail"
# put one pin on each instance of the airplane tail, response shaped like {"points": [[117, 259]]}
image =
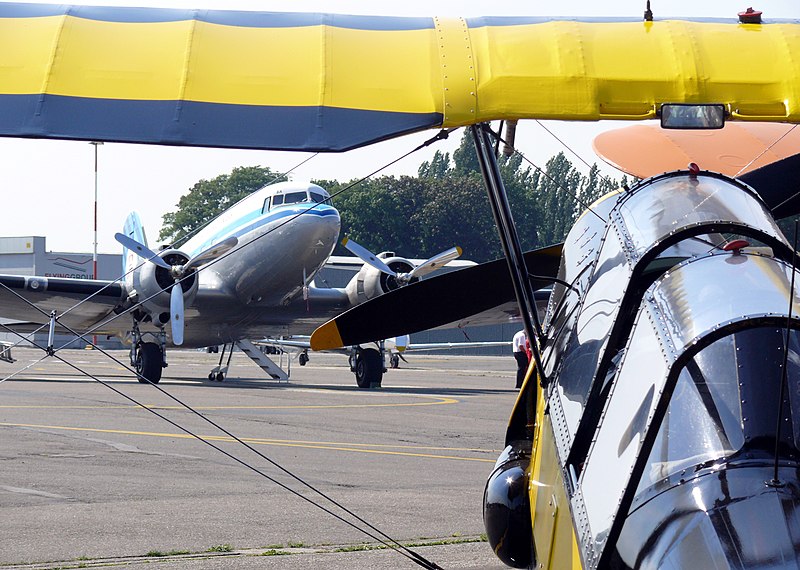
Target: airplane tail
{"points": [[133, 228]]}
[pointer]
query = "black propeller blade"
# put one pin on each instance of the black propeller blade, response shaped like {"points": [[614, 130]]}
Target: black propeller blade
{"points": [[434, 302], [778, 184]]}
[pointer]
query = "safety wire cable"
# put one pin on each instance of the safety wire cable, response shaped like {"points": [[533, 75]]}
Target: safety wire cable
{"points": [[544, 173], [86, 299], [183, 238], [387, 541], [202, 439]]}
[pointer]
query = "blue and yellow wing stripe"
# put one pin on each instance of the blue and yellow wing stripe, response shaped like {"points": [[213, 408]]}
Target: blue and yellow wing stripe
{"points": [[333, 82]]}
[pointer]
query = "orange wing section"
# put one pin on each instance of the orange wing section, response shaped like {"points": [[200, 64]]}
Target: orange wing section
{"points": [[646, 150]]}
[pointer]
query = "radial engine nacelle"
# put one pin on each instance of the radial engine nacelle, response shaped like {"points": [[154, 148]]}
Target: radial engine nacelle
{"points": [[371, 282], [154, 283]]}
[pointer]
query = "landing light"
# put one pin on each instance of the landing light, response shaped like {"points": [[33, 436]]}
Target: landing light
{"points": [[688, 116]]}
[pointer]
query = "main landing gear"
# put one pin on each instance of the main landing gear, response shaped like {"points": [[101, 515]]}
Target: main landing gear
{"points": [[368, 366], [148, 358]]}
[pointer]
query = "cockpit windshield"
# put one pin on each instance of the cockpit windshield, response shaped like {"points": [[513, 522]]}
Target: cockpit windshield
{"points": [[298, 197], [725, 402]]}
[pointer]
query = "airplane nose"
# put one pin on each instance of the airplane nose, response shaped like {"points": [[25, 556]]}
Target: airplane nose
{"points": [[727, 518]]}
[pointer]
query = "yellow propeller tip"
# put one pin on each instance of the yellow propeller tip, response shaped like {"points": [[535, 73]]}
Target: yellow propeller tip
{"points": [[326, 337]]}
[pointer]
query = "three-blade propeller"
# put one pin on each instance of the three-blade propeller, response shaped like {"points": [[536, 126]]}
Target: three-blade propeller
{"points": [[432, 264], [178, 272]]}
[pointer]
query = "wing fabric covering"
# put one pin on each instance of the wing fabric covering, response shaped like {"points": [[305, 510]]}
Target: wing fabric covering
{"points": [[322, 82], [436, 301]]}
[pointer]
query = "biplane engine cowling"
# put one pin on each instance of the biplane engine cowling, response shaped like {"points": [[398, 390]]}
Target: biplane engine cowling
{"points": [[370, 282], [507, 509], [155, 283]]}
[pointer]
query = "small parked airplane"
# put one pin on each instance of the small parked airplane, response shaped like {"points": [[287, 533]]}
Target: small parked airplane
{"points": [[247, 274]]}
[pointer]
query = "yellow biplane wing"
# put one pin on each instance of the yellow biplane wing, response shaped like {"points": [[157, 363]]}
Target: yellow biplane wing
{"points": [[334, 82]]}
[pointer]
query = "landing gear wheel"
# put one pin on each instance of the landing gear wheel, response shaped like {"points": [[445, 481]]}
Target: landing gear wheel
{"points": [[302, 359], [211, 376], [394, 361], [369, 368], [149, 361], [220, 377]]}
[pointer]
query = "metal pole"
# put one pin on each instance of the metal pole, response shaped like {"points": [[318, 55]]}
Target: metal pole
{"points": [[94, 251], [509, 240]]}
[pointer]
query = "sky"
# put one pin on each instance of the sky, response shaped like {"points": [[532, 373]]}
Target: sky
{"points": [[47, 187]]}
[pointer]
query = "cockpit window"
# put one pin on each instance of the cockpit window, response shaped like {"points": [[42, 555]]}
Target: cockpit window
{"points": [[726, 400], [295, 197], [319, 198], [277, 200]]}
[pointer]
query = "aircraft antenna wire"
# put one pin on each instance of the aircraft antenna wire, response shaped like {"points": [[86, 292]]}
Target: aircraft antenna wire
{"points": [[775, 482], [763, 152], [441, 135], [577, 198], [180, 239], [388, 542], [184, 238]]}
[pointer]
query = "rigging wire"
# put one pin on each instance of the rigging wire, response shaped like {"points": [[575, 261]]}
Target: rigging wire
{"points": [[387, 541], [763, 152], [441, 135], [577, 198], [775, 482], [182, 238]]}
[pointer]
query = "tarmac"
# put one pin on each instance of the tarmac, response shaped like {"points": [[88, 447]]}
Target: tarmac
{"points": [[96, 475]]}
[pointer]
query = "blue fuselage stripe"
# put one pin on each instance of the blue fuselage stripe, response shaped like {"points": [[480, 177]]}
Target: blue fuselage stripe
{"points": [[254, 221]]}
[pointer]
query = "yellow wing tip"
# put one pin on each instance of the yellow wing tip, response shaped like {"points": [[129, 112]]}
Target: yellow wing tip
{"points": [[326, 337]]}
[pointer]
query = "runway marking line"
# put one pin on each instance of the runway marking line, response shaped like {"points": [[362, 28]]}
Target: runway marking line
{"points": [[351, 447]]}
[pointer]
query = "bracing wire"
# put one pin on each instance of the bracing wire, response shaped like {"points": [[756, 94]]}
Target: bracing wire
{"points": [[577, 198], [376, 534]]}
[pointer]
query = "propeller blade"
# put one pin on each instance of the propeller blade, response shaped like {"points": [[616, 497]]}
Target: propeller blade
{"points": [[211, 253], [176, 313], [436, 262], [434, 302], [367, 256], [141, 250]]}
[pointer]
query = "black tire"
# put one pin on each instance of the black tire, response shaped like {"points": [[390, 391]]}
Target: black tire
{"points": [[394, 361], [302, 359], [149, 361], [220, 377], [369, 368]]}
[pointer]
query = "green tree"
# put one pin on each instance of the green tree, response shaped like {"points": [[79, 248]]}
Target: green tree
{"points": [[208, 198], [438, 167]]}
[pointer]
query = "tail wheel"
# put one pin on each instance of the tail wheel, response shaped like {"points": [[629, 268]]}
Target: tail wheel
{"points": [[369, 368], [149, 361]]}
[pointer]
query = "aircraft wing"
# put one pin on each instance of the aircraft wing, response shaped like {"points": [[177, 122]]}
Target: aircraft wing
{"points": [[28, 300], [738, 148], [322, 82]]}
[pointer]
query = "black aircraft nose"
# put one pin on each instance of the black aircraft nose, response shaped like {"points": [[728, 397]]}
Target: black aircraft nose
{"points": [[728, 518]]}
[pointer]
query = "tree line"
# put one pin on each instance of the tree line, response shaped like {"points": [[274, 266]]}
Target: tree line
{"points": [[419, 216]]}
